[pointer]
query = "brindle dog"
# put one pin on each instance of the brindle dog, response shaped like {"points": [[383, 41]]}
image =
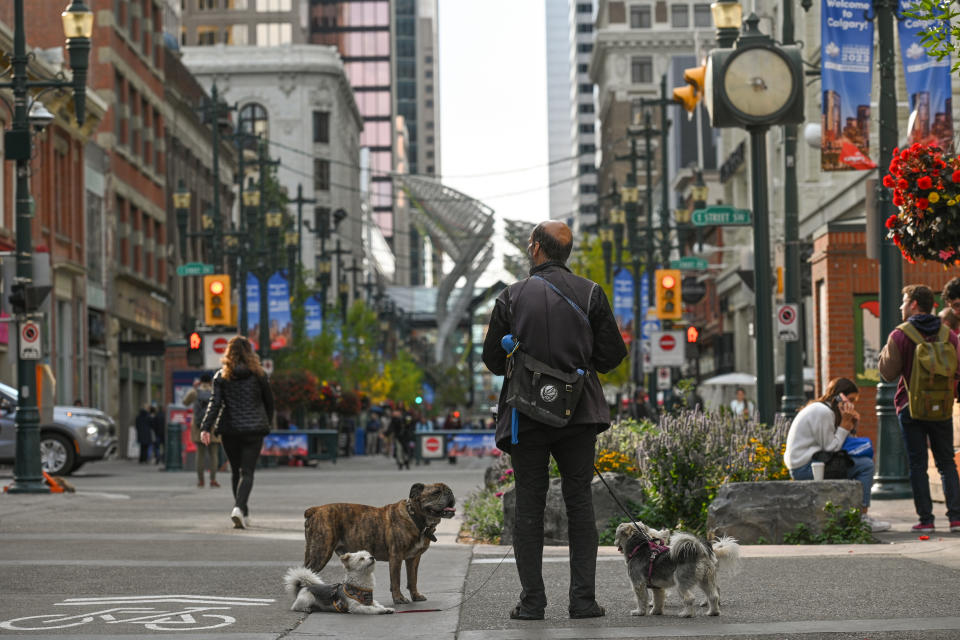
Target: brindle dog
{"points": [[396, 533]]}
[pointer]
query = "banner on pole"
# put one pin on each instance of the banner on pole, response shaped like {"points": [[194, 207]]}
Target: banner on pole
{"points": [[846, 67], [623, 302], [928, 84], [281, 322], [253, 309], [314, 320]]}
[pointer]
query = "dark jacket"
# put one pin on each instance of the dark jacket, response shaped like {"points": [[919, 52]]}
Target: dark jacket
{"points": [[896, 358], [144, 423], [550, 330], [247, 402]]}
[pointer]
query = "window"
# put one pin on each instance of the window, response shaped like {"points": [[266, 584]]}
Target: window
{"points": [[321, 126], [406, 69], [428, 88], [585, 28], [428, 74], [430, 169], [273, 6], [587, 148], [585, 88], [702, 16], [679, 16], [253, 119], [588, 188], [583, 68], [585, 47], [585, 108], [206, 5], [429, 104], [587, 168], [236, 34], [641, 70], [206, 36], [321, 175], [584, 7], [272, 34], [430, 139], [640, 17], [586, 128]]}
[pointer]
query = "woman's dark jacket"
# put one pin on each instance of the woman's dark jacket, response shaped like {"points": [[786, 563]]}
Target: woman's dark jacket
{"points": [[247, 402], [550, 330]]}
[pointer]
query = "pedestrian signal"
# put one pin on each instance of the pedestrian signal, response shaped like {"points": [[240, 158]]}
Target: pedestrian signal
{"points": [[195, 349], [668, 294], [692, 334], [216, 300], [691, 94]]}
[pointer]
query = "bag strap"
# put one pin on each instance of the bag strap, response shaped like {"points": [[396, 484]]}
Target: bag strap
{"points": [[912, 332], [573, 304]]}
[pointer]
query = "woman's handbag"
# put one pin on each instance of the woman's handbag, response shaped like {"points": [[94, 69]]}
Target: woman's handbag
{"points": [[836, 463], [858, 447]]}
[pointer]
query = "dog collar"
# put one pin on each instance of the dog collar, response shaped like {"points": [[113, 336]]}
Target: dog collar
{"points": [[420, 522]]}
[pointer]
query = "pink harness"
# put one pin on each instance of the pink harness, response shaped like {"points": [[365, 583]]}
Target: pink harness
{"points": [[655, 550]]}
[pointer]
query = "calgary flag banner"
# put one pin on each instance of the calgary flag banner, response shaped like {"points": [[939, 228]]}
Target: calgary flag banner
{"points": [[846, 67], [928, 84]]}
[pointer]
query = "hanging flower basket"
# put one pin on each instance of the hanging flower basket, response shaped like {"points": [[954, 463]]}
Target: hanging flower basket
{"points": [[926, 189]]}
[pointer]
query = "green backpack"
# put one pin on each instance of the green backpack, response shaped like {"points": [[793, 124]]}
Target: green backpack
{"points": [[931, 385]]}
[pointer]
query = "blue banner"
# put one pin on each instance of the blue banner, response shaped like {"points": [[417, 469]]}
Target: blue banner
{"points": [[278, 299], [253, 309], [928, 84], [623, 302], [644, 297], [314, 321], [846, 67]]}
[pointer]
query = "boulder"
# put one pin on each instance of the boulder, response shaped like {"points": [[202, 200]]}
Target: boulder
{"points": [[749, 511], [628, 490]]}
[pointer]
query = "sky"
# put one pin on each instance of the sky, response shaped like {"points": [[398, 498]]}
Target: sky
{"points": [[493, 111]]}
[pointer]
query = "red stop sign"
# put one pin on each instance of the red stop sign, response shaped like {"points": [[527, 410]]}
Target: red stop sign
{"points": [[220, 345], [432, 444], [667, 342]]}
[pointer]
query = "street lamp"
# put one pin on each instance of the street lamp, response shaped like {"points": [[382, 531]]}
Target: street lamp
{"points": [[274, 220], [251, 203], [181, 206], [727, 15], [77, 27]]}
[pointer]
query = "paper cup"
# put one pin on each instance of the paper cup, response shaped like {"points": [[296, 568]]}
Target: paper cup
{"points": [[817, 470]]}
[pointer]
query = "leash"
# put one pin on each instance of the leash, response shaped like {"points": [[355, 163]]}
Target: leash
{"points": [[475, 592], [617, 500]]}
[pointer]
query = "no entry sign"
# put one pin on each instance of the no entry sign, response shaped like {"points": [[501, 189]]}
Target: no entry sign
{"points": [[431, 446], [220, 345], [666, 350]]}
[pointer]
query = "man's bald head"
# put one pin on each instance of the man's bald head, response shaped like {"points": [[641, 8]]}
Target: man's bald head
{"points": [[555, 240]]}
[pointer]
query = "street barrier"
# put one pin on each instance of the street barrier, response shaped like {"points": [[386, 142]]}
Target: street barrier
{"points": [[436, 445]]}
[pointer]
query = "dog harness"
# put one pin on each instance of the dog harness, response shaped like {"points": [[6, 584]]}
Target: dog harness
{"points": [[421, 523], [656, 548]]}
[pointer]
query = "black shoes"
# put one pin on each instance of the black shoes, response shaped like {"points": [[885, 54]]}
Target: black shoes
{"points": [[596, 611], [518, 614]]}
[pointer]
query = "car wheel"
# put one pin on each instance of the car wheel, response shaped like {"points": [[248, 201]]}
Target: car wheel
{"points": [[77, 465], [56, 454]]}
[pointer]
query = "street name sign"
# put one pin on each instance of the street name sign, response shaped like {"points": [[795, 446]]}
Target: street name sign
{"points": [[689, 263], [195, 269], [721, 215]]}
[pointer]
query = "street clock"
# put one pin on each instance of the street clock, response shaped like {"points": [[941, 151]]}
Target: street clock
{"points": [[757, 83]]}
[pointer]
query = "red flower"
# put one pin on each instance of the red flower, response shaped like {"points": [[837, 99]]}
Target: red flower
{"points": [[891, 221], [888, 181], [896, 150], [956, 176], [923, 204], [924, 182], [902, 184], [897, 200]]}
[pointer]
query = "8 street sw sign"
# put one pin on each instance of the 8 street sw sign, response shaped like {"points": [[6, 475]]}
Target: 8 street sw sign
{"points": [[721, 215]]}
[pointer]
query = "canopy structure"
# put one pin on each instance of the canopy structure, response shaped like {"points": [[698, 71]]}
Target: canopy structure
{"points": [[463, 229]]}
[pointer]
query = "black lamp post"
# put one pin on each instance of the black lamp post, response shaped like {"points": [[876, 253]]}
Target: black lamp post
{"points": [[727, 15], [77, 27], [274, 220], [606, 246], [251, 205], [181, 207]]}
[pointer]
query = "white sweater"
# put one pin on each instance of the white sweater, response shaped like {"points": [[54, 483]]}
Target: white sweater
{"points": [[811, 431]]}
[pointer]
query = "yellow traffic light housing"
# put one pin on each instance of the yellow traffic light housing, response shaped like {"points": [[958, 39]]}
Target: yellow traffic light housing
{"points": [[691, 94], [216, 300], [669, 294]]}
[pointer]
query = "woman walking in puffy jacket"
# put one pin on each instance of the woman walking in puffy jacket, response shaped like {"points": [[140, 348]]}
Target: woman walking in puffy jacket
{"points": [[241, 411]]}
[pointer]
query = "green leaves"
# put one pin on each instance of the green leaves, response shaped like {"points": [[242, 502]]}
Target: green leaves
{"points": [[941, 37]]}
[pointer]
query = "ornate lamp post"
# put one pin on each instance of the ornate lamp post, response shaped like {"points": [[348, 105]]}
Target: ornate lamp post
{"points": [[181, 207], [274, 220], [727, 16], [251, 205], [77, 27]]}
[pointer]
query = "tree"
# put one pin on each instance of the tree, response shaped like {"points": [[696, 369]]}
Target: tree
{"points": [[941, 37]]}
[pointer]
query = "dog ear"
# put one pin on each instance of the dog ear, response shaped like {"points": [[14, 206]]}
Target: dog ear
{"points": [[416, 490], [344, 557]]}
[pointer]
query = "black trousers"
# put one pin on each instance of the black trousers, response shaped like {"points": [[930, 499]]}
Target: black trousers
{"points": [[573, 449], [242, 452]]}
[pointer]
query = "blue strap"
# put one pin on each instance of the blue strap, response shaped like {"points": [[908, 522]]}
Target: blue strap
{"points": [[573, 304], [514, 428]]}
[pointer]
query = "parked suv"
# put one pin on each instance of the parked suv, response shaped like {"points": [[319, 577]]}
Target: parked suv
{"points": [[76, 435]]}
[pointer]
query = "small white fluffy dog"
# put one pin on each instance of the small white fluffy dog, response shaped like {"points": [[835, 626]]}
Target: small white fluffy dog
{"points": [[353, 595], [689, 561]]}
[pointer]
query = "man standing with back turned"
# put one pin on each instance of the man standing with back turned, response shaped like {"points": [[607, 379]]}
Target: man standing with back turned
{"points": [[540, 312], [924, 411]]}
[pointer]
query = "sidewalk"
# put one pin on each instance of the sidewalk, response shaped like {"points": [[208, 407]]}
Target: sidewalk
{"points": [[133, 532]]}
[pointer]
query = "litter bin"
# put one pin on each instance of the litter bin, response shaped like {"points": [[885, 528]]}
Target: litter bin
{"points": [[174, 447]]}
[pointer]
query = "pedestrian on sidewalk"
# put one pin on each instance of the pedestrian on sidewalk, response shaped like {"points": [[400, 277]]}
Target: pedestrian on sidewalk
{"points": [[200, 397], [918, 428], [241, 412], [551, 330], [144, 425], [159, 427], [950, 315], [823, 425]]}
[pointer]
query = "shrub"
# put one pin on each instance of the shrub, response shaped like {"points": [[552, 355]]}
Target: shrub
{"points": [[483, 516], [842, 527]]}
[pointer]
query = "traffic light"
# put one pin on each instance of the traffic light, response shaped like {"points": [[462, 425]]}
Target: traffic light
{"points": [[668, 294], [216, 300], [195, 349], [692, 334], [691, 94]]}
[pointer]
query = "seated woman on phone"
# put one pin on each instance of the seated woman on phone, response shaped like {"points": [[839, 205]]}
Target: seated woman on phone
{"points": [[823, 425]]}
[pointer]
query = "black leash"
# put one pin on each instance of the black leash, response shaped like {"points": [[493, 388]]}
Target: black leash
{"points": [[477, 590], [617, 500]]}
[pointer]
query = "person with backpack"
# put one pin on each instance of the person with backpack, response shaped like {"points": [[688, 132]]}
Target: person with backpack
{"points": [[200, 397], [923, 354]]}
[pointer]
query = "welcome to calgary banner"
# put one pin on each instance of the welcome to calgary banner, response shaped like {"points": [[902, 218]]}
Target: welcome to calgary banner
{"points": [[846, 67], [928, 84]]}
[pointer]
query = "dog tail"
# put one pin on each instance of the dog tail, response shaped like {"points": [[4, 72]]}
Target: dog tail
{"points": [[684, 546], [299, 577], [728, 553]]}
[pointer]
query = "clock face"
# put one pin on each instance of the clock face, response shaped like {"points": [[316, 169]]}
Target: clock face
{"points": [[758, 82]]}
